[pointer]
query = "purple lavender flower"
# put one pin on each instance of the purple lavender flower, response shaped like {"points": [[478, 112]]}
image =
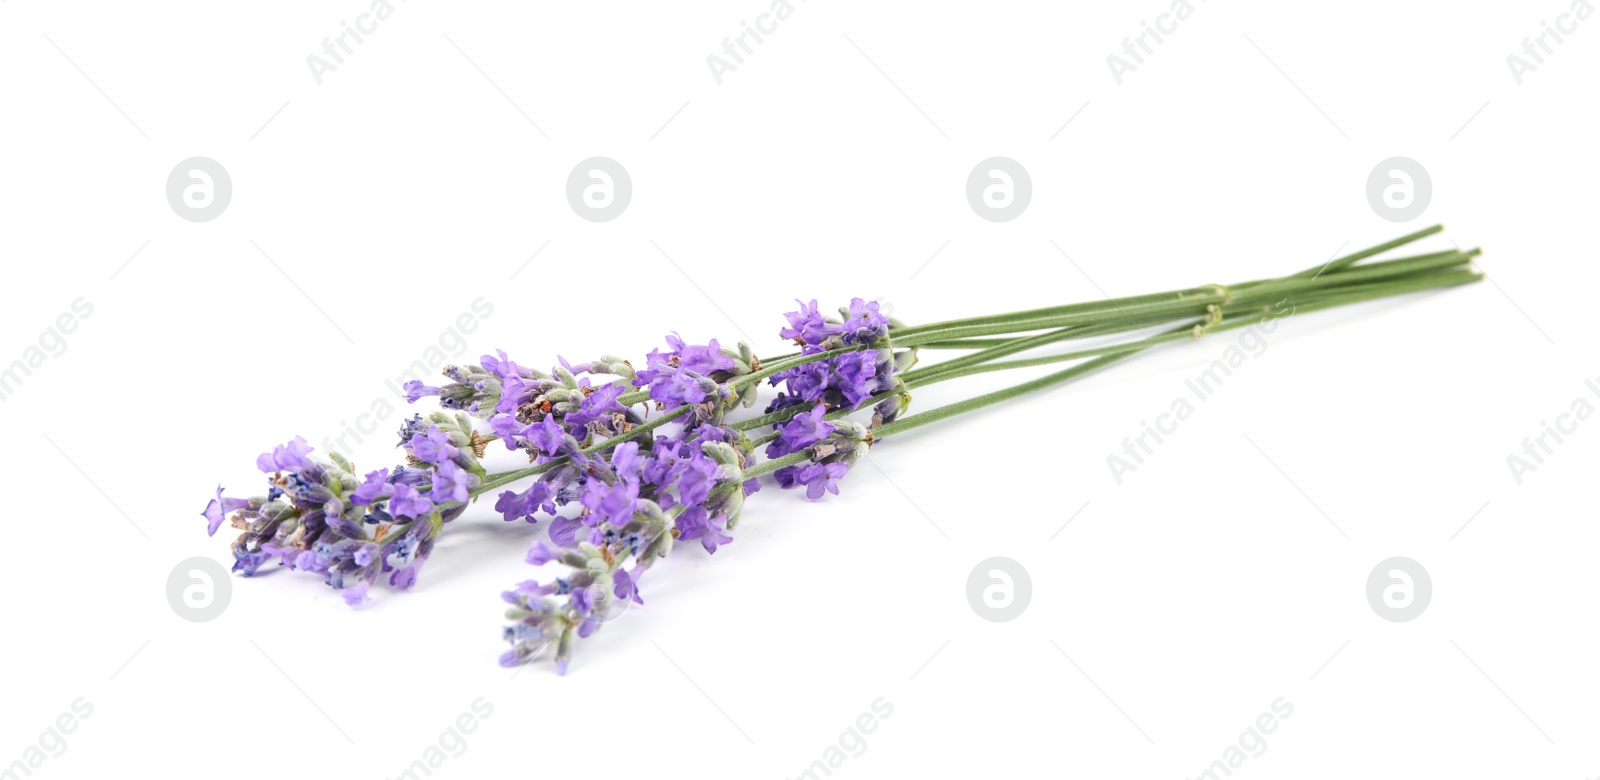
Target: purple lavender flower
{"points": [[680, 387], [564, 530], [697, 523], [432, 447], [287, 457], [705, 360], [610, 503], [816, 477], [696, 479], [849, 380], [375, 487], [866, 324], [347, 527], [542, 553], [411, 428], [356, 594], [582, 603], [625, 588], [514, 392], [452, 483], [856, 376], [405, 576], [416, 390], [219, 509], [808, 326], [408, 503], [600, 404], [499, 365], [626, 461], [800, 432], [548, 436], [513, 505], [680, 376], [510, 431]]}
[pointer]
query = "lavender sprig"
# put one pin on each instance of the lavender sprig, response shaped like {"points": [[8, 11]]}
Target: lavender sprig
{"points": [[318, 517]]}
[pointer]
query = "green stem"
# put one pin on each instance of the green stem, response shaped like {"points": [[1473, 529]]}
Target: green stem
{"points": [[1091, 307], [1258, 291], [1002, 349], [771, 419], [1000, 396], [995, 348], [767, 467], [1116, 304], [966, 344], [1299, 306], [1339, 264]]}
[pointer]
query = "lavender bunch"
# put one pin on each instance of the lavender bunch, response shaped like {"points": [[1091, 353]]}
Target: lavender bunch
{"points": [[625, 463]]}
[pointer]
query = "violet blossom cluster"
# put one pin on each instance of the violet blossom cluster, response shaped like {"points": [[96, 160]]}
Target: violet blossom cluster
{"points": [[615, 499], [852, 378], [322, 518], [635, 500]]}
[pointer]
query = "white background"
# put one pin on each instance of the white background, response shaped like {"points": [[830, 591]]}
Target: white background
{"points": [[1175, 607]]}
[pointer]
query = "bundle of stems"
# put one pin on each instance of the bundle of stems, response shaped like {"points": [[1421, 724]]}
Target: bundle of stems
{"points": [[1179, 315]]}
